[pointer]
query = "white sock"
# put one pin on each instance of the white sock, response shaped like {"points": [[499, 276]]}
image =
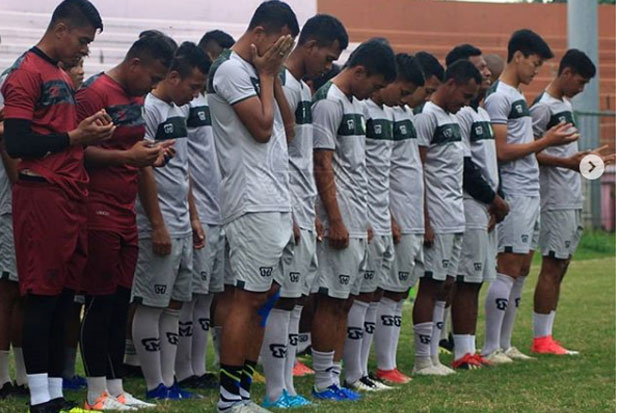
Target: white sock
{"points": [[304, 341], [322, 364], [422, 333], [461, 345], [96, 386], [4, 367], [115, 387], [169, 328], [447, 325], [511, 313], [131, 356], [370, 323], [352, 355], [336, 370], [472, 343], [541, 324], [398, 318], [146, 337], [21, 377], [383, 333], [273, 352], [217, 339], [438, 313], [55, 387], [183, 359], [291, 352], [495, 308], [202, 324], [39, 388], [551, 321]]}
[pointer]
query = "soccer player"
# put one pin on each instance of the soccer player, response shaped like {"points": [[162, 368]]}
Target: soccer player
{"points": [[342, 184], [444, 221], [214, 42], [250, 140], [495, 64], [163, 276], [560, 194], [516, 149], [112, 233], [321, 41], [483, 207], [406, 186], [48, 198], [433, 75]]}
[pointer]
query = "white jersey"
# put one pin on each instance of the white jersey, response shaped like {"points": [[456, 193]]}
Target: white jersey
{"points": [[254, 174], [339, 125], [560, 188], [379, 143], [406, 174], [164, 121], [507, 106], [203, 168], [439, 131], [300, 159]]}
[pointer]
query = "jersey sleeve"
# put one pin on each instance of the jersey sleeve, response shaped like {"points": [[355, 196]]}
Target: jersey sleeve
{"points": [[541, 115], [425, 127], [293, 97], [232, 83], [21, 91], [498, 107], [326, 117], [151, 122], [88, 102]]}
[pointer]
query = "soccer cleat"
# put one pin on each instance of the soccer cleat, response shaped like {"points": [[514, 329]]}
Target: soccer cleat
{"points": [[350, 394], [446, 370], [241, 407], [446, 346], [66, 406], [498, 357], [393, 376], [300, 369], [281, 402], [47, 407], [426, 368], [296, 400], [208, 381], [361, 385], [483, 361], [107, 402], [515, 354], [74, 383], [467, 362], [254, 408], [7, 390], [158, 393], [177, 393], [568, 352], [378, 383], [129, 400], [21, 390], [331, 393], [257, 377], [547, 345]]}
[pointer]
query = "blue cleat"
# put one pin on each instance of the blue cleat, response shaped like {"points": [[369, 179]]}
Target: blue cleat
{"points": [[331, 393], [74, 383], [350, 394], [281, 402], [158, 393], [297, 400], [177, 393]]}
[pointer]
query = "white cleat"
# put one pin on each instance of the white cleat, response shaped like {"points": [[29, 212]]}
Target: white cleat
{"points": [[515, 354], [107, 402], [447, 370], [426, 368], [498, 357], [378, 383], [255, 408], [362, 385], [129, 400]]}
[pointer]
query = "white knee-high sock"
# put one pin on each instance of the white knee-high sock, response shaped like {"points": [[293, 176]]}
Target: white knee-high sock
{"points": [[511, 313], [398, 321], [352, 355], [202, 324], [146, 336], [273, 352], [322, 363], [551, 321], [438, 313], [422, 333], [370, 324], [21, 378], [291, 352], [183, 359], [4, 367], [386, 311], [169, 328], [495, 306]]}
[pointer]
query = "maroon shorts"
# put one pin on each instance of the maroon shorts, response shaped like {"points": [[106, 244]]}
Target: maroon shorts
{"points": [[112, 257], [50, 238]]}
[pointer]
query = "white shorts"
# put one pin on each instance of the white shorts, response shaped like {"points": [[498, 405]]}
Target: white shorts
{"points": [[379, 263], [159, 279], [516, 232], [478, 256], [256, 242], [208, 262], [8, 267], [408, 254], [339, 270], [299, 266], [441, 259], [560, 232]]}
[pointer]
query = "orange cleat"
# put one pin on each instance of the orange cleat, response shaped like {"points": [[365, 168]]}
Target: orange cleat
{"points": [[467, 362], [547, 345], [483, 361], [300, 369], [393, 376]]}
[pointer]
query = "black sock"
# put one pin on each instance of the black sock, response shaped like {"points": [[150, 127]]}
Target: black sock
{"points": [[246, 379], [116, 339], [230, 377], [94, 334], [38, 314]]}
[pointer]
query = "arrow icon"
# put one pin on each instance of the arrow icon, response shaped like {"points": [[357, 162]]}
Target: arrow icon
{"points": [[592, 167]]}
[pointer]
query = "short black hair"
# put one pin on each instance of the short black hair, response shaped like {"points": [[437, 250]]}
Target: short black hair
{"points": [[376, 56], [462, 71], [528, 43], [430, 65], [579, 62], [153, 47], [324, 29], [464, 51], [150, 32], [223, 39], [408, 69], [319, 81], [273, 15], [79, 13], [189, 56]]}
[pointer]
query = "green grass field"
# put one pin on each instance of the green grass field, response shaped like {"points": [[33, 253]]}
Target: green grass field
{"points": [[585, 383]]}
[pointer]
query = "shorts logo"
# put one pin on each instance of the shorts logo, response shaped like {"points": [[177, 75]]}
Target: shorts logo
{"points": [[501, 304], [203, 275], [205, 323], [369, 275], [524, 237], [445, 263], [439, 325], [265, 271], [278, 350], [397, 320], [293, 339], [355, 333], [172, 338], [517, 302], [387, 320], [369, 327], [477, 266], [344, 279], [151, 344], [294, 277], [186, 329], [424, 339], [160, 289], [403, 275]]}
